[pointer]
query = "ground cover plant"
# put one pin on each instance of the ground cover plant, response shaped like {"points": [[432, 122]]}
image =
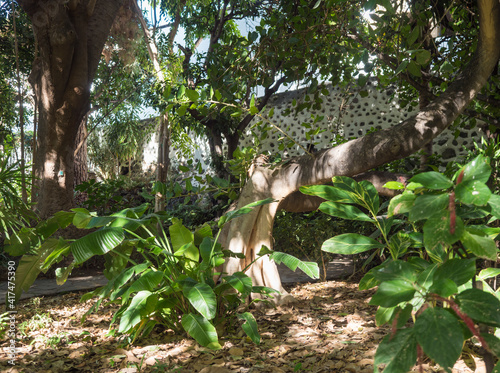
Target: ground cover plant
{"points": [[436, 242]]}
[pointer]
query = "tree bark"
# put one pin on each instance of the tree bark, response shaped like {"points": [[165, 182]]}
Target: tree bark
{"points": [[70, 38], [248, 233]]}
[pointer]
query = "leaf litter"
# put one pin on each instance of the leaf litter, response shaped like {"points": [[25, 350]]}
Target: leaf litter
{"points": [[329, 328]]}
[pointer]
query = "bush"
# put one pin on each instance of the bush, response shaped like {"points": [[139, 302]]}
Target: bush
{"points": [[433, 234]]}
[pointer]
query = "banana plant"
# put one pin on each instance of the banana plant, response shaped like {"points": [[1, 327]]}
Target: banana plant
{"points": [[172, 285]]}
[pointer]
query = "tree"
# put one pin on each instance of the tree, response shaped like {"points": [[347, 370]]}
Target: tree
{"points": [[254, 230], [70, 38]]}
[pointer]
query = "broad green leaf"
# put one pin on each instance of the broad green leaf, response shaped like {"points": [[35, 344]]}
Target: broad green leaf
{"points": [[29, 266], [141, 306], [350, 243], [398, 352], [401, 204], [192, 95], [437, 231], [391, 293], [350, 186], [473, 192], [117, 260], [201, 233], [188, 251], [444, 287], [440, 335], [432, 180], [396, 270], [458, 270], [201, 330], [478, 170], [250, 326], [179, 235], [202, 298], [343, 211], [481, 306], [96, 243], [494, 203], [488, 273], [482, 247], [386, 315], [428, 205], [81, 218], [493, 343], [309, 268], [368, 281], [327, 192], [240, 282]]}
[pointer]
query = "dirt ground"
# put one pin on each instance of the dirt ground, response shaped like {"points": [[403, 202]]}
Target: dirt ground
{"points": [[330, 328]]}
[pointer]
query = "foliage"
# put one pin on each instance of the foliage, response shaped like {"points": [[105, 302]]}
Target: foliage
{"points": [[14, 213], [434, 237], [175, 284]]}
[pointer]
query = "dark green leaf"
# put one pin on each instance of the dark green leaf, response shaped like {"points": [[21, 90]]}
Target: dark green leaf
{"points": [[140, 307], [396, 270], [96, 243], [240, 282], [401, 203], [440, 335], [428, 205], [437, 231], [457, 270], [398, 353], [202, 298], [327, 192], [477, 170], [481, 306]]}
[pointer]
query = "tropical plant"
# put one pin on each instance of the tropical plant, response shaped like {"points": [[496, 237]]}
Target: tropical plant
{"points": [[175, 283], [434, 236]]}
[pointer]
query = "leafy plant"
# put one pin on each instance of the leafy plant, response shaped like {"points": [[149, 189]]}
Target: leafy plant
{"points": [[434, 235], [175, 284]]}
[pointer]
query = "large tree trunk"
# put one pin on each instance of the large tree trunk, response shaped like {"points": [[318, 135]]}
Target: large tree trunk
{"points": [[248, 233], [70, 37]]}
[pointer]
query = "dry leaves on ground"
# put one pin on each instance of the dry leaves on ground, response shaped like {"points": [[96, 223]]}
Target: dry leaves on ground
{"points": [[330, 328]]}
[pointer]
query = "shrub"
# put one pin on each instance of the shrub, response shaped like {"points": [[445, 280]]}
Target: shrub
{"points": [[434, 235]]}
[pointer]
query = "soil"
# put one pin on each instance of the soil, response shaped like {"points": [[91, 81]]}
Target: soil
{"points": [[330, 328]]}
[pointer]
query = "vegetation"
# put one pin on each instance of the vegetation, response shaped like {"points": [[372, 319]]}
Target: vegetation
{"points": [[432, 265], [435, 239]]}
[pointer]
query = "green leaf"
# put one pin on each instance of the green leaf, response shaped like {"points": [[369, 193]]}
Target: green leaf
{"points": [[401, 204], [96, 243], [394, 185], [192, 95], [423, 57], [398, 352], [240, 282], [179, 235], [368, 281], [482, 247], [402, 66], [399, 244], [344, 211], [327, 192], [391, 293], [458, 270], [309, 268], [140, 307], [250, 326], [478, 170], [488, 273], [396, 270], [437, 231], [473, 192], [445, 287], [202, 298], [427, 205], [350, 243], [440, 335], [494, 203], [243, 210], [201, 330], [414, 69], [432, 180], [481, 306]]}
